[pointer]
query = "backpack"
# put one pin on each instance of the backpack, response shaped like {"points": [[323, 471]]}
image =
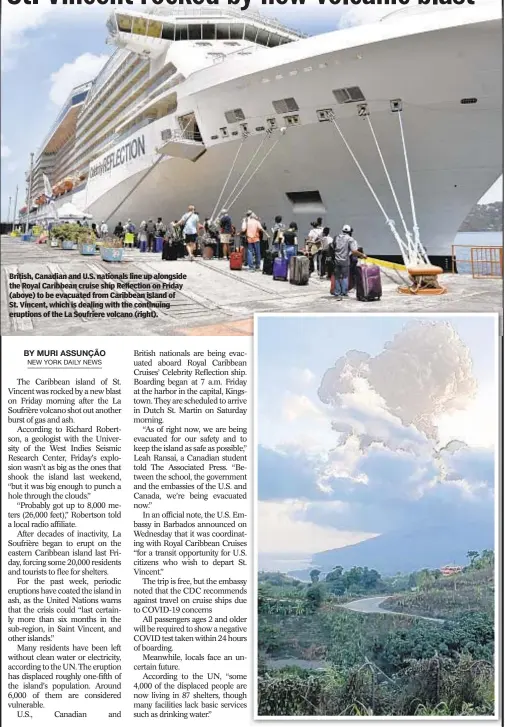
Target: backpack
{"points": [[213, 228]]}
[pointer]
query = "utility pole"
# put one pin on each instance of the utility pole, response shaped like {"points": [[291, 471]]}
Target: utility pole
{"points": [[15, 208], [28, 202], [9, 211]]}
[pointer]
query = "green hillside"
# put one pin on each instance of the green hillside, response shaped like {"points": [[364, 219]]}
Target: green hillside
{"points": [[318, 658]]}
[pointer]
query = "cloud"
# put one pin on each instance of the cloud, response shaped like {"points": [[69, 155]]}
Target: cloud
{"points": [[380, 490], [299, 406], [4, 149], [84, 68], [384, 469], [424, 372], [19, 21]]}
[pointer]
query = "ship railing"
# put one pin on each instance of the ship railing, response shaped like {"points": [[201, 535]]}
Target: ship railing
{"points": [[181, 135], [88, 124], [216, 13], [140, 102], [87, 139], [113, 64]]}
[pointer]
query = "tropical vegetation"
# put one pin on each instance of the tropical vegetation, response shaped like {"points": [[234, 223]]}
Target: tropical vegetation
{"points": [[335, 661]]}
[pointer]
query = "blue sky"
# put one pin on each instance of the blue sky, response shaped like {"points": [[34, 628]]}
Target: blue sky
{"points": [[47, 49], [367, 424]]}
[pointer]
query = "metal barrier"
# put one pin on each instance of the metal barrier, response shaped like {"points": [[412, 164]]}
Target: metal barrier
{"points": [[477, 261]]}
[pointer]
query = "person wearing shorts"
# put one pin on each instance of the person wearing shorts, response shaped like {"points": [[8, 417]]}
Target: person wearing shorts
{"points": [[189, 223]]}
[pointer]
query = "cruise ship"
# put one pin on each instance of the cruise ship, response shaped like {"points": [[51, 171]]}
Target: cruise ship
{"points": [[396, 120]]}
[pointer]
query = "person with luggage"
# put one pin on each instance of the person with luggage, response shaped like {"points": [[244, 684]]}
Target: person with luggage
{"points": [[119, 230], [277, 233], [340, 250], [252, 228], [289, 245], [129, 234], [225, 234], [104, 229], [264, 238], [151, 235], [326, 241], [143, 236], [189, 223]]}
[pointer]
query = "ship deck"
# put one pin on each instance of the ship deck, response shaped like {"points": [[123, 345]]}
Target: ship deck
{"points": [[216, 301]]}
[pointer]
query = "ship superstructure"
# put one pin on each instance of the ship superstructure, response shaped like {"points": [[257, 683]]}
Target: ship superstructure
{"points": [[224, 108]]}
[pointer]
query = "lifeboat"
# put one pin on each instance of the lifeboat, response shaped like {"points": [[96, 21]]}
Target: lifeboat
{"points": [[67, 184]]}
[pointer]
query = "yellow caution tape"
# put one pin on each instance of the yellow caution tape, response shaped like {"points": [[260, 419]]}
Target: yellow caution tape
{"points": [[386, 264]]}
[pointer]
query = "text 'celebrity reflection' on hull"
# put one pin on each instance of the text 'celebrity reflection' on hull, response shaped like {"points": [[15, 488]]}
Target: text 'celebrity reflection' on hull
{"points": [[397, 121]]}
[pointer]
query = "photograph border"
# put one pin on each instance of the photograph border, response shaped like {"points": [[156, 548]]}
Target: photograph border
{"points": [[497, 718]]}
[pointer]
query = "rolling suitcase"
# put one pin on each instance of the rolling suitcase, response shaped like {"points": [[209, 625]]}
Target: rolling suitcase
{"points": [[280, 268], [236, 260], [268, 262], [169, 251], [299, 270], [368, 282]]}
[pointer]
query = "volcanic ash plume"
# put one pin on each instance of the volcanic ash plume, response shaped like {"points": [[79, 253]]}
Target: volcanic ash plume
{"points": [[425, 371]]}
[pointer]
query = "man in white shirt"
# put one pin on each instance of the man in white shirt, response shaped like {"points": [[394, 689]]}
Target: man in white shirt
{"points": [[190, 221], [104, 229]]}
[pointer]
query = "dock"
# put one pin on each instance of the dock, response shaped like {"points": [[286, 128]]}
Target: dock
{"points": [[215, 300]]}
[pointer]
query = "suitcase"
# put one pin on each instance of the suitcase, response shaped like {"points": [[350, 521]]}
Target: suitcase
{"points": [[180, 248], [236, 260], [268, 262], [299, 270], [332, 284], [169, 251], [280, 268], [368, 282]]}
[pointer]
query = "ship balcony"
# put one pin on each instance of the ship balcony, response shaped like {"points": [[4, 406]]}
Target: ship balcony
{"points": [[181, 144]]}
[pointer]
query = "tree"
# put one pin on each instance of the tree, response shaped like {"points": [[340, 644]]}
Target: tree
{"points": [[335, 582], [472, 555], [314, 575], [314, 596]]}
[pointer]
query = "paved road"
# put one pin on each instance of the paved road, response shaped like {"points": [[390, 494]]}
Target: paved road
{"points": [[215, 300], [373, 605]]}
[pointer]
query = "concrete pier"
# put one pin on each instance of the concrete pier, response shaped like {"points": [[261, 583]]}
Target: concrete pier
{"points": [[216, 300]]}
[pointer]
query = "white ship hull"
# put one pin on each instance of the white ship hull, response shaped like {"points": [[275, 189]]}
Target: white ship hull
{"points": [[454, 149]]}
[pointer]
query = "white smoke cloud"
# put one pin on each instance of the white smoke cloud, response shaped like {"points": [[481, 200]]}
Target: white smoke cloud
{"points": [[425, 371]]}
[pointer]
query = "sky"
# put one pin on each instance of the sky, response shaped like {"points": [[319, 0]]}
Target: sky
{"points": [[370, 424], [47, 49]]}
